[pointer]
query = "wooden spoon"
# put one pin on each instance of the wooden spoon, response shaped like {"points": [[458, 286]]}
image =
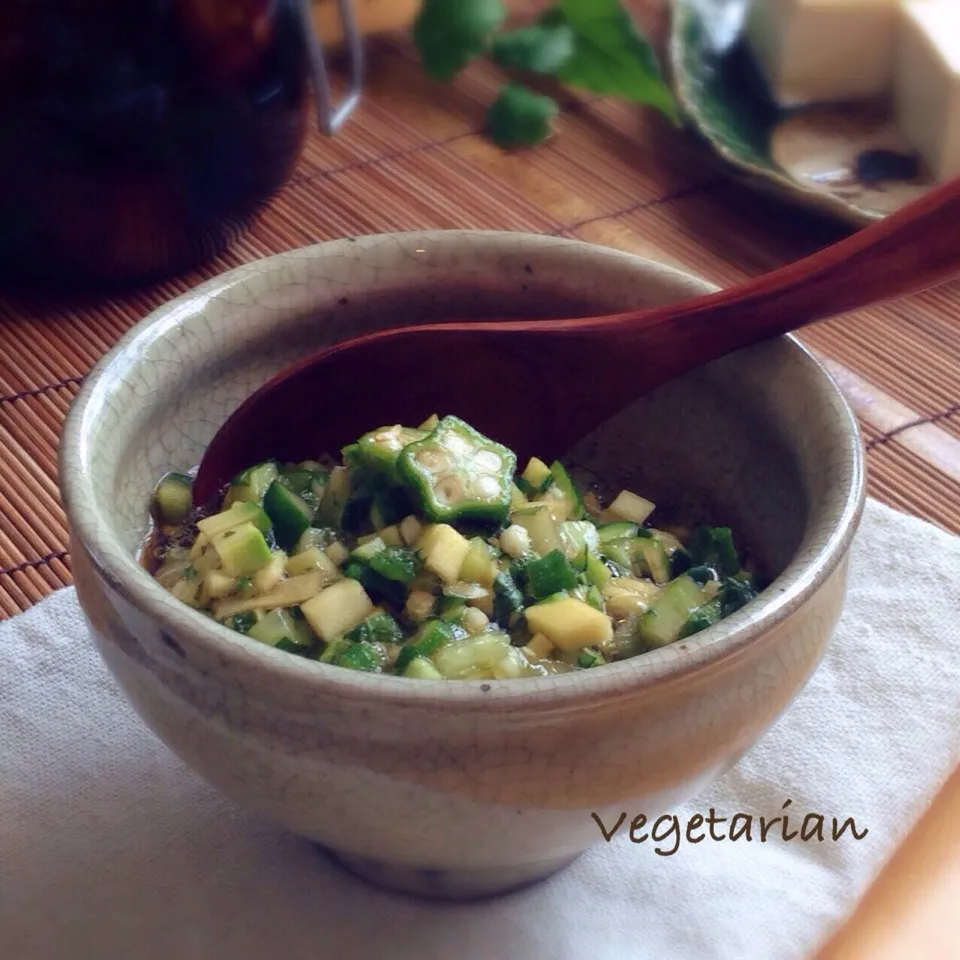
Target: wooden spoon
{"points": [[540, 386]]}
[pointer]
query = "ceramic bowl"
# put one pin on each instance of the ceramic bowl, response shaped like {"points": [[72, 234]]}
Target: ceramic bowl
{"points": [[445, 788]]}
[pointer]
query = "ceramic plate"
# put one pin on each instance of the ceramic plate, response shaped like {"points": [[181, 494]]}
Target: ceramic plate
{"points": [[847, 161]]}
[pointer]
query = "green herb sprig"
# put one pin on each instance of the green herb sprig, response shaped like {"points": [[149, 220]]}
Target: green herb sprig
{"points": [[590, 45]]}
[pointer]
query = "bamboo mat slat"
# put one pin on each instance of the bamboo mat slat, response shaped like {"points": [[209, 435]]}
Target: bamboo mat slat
{"points": [[413, 157]]}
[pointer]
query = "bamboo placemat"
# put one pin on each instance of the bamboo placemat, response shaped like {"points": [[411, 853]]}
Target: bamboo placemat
{"points": [[412, 157]]}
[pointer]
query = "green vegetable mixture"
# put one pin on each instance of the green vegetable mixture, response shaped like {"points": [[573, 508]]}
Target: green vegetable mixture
{"points": [[425, 553]]}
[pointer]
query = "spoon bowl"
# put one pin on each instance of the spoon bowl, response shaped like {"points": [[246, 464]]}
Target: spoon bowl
{"points": [[539, 386]]}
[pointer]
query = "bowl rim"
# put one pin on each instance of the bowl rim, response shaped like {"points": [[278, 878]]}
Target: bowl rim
{"points": [[798, 582]]}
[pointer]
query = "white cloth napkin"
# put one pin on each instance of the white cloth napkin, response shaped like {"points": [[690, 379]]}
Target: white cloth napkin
{"points": [[110, 849]]}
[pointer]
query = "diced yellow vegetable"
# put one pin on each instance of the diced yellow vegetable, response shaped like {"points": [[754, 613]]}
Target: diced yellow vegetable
{"points": [[539, 646], [628, 506], [287, 593], [188, 591], [268, 577], [478, 565], [668, 541], [219, 523], [410, 530], [338, 553], [199, 545], [443, 550], [391, 536], [645, 589], [540, 524], [216, 584], [536, 472], [512, 665], [474, 619], [569, 624], [312, 559], [420, 668], [419, 605], [336, 609]]}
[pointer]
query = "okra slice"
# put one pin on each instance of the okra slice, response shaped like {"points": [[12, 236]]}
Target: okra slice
{"points": [[378, 450], [456, 473]]}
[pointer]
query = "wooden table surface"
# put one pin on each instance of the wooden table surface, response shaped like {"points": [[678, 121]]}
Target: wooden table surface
{"points": [[414, 157]]}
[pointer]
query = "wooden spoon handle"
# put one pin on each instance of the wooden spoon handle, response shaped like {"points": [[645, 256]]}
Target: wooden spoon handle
{"points": [[911, 250]]}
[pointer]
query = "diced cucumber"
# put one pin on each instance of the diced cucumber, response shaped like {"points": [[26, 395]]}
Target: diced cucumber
{"points": [[517, 500], [475, 655], [246, 512], [701, 618], [595, 598], [568, 491], [598, 573], [420, 668], [628, 506], [280, 624], [242, 550], [621, 551], [538, 522], [291, 514], [589, 657], [579, 537], [654, 558], [390, 505], [360, 656], [242, 622], [251, 485], [376, 585], [377, 628], [616, 531], [430, 424], [173, 498], [550, 574], [396, 563], [451, 609], [337, 608], [378, 450], [713, 547], [366, 551], [507, 598], [664, 621], [433, 635]]}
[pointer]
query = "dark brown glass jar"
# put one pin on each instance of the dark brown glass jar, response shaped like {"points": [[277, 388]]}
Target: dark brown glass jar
{"points": [[136, 136]]}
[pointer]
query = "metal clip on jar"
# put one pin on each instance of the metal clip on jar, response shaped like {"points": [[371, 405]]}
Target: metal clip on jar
{"points": [[138, 137]]}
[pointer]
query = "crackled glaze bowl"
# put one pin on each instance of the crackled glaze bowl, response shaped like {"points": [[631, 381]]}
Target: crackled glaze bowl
{"points": [[446, 788]]}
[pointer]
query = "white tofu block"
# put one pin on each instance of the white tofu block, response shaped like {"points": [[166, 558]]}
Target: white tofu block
{"points": [[927, 83], [824, 51]]}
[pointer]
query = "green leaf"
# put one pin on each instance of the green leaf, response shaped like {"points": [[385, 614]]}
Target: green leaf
{"points": [[541, 48], [450, 33], [610, 56], [520, 118]]}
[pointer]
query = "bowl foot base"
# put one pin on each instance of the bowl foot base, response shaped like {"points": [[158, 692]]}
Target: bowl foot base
{"points": [[442, 884]]}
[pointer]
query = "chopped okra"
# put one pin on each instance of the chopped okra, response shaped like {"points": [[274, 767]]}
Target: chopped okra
{"points": [[456, 474], [426, 553]]}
